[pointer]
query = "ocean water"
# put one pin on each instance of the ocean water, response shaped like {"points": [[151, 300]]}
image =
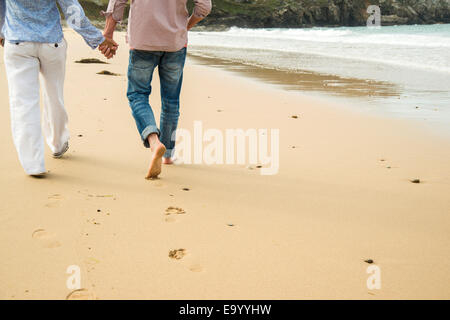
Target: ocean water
{"points": [[401, 70]]}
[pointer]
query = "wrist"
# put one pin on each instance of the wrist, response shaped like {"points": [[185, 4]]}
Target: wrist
{"points": [[108, 35], [103, 40]]}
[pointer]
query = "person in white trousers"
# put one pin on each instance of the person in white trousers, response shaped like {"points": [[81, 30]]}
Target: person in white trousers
{"points": [[24, 62], [34, 47]]}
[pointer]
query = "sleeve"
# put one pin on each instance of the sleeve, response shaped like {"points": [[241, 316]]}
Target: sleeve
{"points": [[2, 17], [116, 9], [77, 20], [202, 8]]}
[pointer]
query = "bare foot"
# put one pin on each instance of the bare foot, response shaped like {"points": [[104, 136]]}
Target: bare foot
{"points": [[155, 166], [167, 161]]}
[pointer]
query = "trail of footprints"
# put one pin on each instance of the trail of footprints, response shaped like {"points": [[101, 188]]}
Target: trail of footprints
{"points": [[47, 239], [179, 254]]}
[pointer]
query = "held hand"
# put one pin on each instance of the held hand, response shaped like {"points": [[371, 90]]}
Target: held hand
{"points": [[108, 48]]}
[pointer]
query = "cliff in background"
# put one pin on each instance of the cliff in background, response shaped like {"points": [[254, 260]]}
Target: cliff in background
{"points": [[309, 13]]}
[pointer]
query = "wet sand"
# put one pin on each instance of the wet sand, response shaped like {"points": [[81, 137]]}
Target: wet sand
{"points": [[306, 80], [389, 97], [343, 195]]}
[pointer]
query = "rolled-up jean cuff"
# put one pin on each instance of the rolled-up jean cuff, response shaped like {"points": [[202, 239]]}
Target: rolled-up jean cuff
{"points": [[148, 131], [169, 153]]}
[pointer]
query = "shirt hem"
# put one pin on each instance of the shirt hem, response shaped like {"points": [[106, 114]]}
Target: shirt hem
{"points": [[145, 47]]}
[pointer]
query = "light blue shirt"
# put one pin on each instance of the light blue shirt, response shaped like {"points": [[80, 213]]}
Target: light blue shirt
{"points": [[40, 21]]}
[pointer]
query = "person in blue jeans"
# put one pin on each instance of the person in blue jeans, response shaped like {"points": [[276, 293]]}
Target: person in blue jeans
{"points": [[157, 35], [140, 73]]}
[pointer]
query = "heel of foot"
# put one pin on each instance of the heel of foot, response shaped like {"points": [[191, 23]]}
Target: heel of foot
{"points": [[155, 166], [161, 151]]}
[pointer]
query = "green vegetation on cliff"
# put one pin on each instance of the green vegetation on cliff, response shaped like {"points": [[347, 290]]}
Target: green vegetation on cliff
{"points": [[307, 13]]}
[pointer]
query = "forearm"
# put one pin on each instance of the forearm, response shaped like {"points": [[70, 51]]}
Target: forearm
{"points": [[110, 26], [201, 9], [78, 21], [113, 14], [193, 20]]}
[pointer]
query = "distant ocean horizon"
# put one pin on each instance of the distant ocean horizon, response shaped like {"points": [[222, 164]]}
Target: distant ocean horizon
{"points": [[413, 60]]}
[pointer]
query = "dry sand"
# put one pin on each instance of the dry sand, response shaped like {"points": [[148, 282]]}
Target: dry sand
{"points": [[303, 233]]}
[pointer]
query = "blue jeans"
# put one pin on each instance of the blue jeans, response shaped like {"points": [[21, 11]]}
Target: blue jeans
{"points": [[140, 73]]}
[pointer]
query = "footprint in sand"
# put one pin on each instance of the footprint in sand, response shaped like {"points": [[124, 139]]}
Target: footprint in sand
{"points": [[91, 261], [157, 183], [46, 239], [196, 268], [55, 200], [177, 254], [170, 219], [80, 294], [52, 204], [173, 211]]}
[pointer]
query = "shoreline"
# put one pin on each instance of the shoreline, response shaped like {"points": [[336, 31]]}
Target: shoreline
{"points": [[305, 81], [358, 95], [342, 195], [405, 74]]}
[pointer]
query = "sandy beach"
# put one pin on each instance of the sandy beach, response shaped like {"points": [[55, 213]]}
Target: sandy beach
{"points": [[343, 195]]}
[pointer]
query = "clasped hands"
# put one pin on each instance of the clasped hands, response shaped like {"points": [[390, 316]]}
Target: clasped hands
{"points": [[108, 48]]}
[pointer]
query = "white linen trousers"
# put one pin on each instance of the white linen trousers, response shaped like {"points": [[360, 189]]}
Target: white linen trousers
{"points": [[24, 63]]}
